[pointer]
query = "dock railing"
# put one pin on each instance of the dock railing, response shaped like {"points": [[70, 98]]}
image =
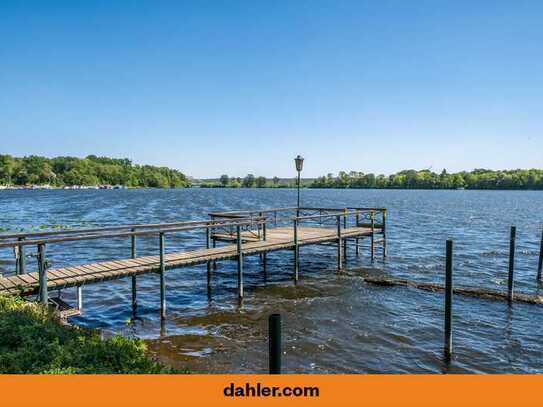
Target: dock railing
{"points": [[239, 227]]}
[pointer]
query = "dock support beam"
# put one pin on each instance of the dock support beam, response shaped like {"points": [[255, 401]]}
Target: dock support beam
{"points": [[510, 279], [162, 280], [42, 271], [296, 251], [133, 254], [448, 299], [540, 264], [240, 263], [339, 244]]}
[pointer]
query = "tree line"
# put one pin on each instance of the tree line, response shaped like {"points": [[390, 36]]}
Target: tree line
{"points": [[249, 181], [91, 170], [426, 179]]}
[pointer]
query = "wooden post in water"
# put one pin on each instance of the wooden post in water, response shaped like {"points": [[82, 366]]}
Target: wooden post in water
{"points": [[510, 280], [372, 237], [42, 272], [240, 262], [339, 243], [540, 265], [208, 241], [296, 251], [133, 253], [448, 299], [274, 342], [162, 279]]}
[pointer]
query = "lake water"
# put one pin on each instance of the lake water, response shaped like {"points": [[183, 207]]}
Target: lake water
{"points": [[332, 323]]}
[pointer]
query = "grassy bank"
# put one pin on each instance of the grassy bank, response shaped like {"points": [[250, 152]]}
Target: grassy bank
{"points": [[32, 340]]}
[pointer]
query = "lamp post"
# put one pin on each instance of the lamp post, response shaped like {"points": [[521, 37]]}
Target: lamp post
{"points": [[299, 161]]}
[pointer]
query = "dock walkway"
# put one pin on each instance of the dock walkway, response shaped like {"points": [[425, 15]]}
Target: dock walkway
{"points": [[243, 233]]}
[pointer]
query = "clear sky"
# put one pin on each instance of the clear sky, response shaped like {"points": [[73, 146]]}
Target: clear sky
{"points": [[237, 87]]}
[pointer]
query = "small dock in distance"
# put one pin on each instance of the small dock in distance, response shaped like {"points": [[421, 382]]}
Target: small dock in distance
{"points": [[226, 236]]}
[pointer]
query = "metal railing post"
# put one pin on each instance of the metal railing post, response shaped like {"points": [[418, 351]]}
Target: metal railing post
{"points": [[42, 272], [357, 240], [265, 254], [240, 262], [372, 237], [133, 254], [208, 243], [162, 277], [345, 240], [339, 243], [21, 260]]}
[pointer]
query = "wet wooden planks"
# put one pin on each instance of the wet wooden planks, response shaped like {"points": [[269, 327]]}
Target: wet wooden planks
{"points": [[276, 239]]}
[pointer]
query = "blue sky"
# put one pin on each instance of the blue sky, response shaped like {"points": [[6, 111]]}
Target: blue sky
{"points": [[237, 87]]}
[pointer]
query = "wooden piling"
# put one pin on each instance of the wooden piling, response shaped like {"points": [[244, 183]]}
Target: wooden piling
{"points": [[510, 280], [240, 262], [133, 252], [540, 265], [42, 271], [448, 299], [274, 343], [162, 279], [339, 243], [296, 251]]}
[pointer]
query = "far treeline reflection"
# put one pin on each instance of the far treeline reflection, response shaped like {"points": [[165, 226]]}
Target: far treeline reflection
{"points": [[93, 171]]}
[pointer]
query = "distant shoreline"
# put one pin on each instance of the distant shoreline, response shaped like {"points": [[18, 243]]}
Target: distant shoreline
{"points": [[123, 187]]}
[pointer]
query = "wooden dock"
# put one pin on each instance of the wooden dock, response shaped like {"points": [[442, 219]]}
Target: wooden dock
{"points": [[241, 233]]}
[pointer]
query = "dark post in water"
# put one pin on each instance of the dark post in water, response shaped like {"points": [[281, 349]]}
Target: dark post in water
{"points": [[448, 299], [274, 338], [511, 264]]}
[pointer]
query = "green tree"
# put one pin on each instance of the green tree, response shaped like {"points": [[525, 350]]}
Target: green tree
{"points": [[261, 182], [249, 181], [225, 180]]}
